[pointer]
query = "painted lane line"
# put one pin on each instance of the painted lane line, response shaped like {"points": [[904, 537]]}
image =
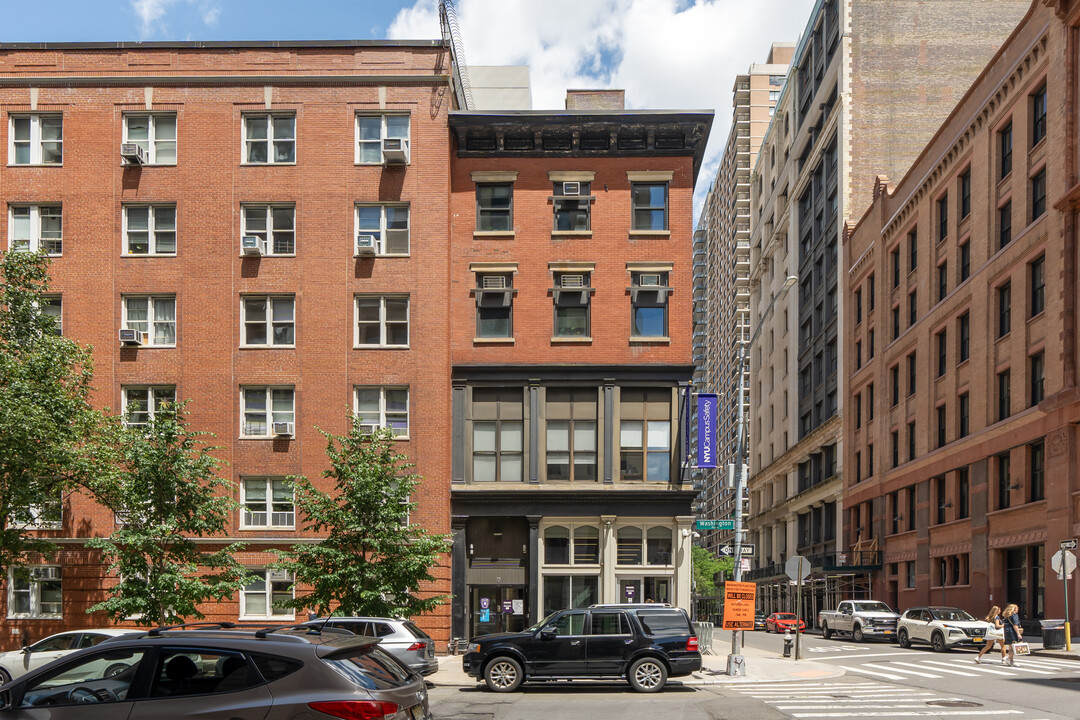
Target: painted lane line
{"points": [[975, 668], [895, 669], [887, 676], [914, 713], [951, 672]]}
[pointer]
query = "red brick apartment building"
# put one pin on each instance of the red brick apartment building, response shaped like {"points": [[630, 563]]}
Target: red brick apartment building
{"points": [[570, 306], [961, 434], [339, 304]]}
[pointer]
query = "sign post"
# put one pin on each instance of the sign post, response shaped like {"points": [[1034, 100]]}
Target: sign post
{"points": [[797, 568], [1064, 562]]}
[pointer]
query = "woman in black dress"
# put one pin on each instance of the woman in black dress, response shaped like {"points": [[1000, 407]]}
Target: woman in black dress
{"points": [[1013, 632]]}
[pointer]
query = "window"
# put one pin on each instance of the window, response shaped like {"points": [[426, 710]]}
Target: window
{"points": [[149, 229], [942, 281], [270, 138], [963, 494], [941, 439], [571, 296], [142, 403], [649, 206], [965, 261], [1004, 383], [53, 306], [264, 595], [894, 372], [1004, 298], [494, 305], [194, 672], [1038, 286], [870, 343], [870, 401], [910, 573], [572, 212], [1038, 115], [1037, 366], [155, 134], [495, 207], [1038, 195], [35, 592], [648, 298], [776, 80], [913, 307], [895, 436], [1037, 472], [497, 434], [894, 258], [858, 467], [609, 623], [870, 460], [262, 407], [943, 217], [858, 306], [570, 591], [274, 225], [372, 130], [858, 354], [36, 140], [911, 440], [152, 315], [964, 348], [269, 320], [870, 294], [965, 194], [61, 685], [36, 228], [940, 502], [912, 501], [896, 322], [387, 224], [1005, 149], [963, 415], [1005, 224], [645, 434], [1003, 482], [575, 545], [913, 249], [267, 503], [384, 407], [47, 515], [912, 373], [942, 353], [658, 546], [382, 321], [571, 434]]}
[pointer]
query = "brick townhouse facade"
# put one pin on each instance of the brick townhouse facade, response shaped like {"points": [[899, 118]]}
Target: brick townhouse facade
{"points": [[968, 269]]}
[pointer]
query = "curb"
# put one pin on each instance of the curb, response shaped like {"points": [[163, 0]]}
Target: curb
{"points": [[1060, 654]]}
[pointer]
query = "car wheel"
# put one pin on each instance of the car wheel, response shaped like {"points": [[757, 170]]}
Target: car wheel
{"points": [[857, 634], [648, 675], [825, 631], [937, 641], [503, 674], [115, 669], [902, 639], [5, 677]]}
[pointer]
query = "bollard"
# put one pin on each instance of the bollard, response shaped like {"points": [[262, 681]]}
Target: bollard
{"points": [[787, 643]]}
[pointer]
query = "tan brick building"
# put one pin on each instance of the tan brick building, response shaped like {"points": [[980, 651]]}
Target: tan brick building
{"points": [[967, 268]]}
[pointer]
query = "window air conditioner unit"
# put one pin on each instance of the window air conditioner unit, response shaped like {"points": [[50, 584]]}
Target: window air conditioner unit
{"points": [[571, 188], [132, 153], [572, 281], [130, 337], [366, 429], [649, 281], [494, 282], [279, 575], [252, 245], [366, 245], [46, 573], [283, 429], [395, 151]]}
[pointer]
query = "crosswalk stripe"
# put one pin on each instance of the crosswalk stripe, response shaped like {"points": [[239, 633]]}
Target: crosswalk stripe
{"points": [[1023, 668], [899, 670], [879, 706], [887, 676], [913, 713], [1050, 663], [899, 698], [976, 668], [951, 672]]}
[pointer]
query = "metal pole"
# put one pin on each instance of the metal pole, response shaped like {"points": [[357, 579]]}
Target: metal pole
{"points": [[799, 614], [735, 662], [1065, 582]]}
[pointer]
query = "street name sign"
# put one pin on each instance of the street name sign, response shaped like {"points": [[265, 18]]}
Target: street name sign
{"points": [[714, 524], [747, 549]]}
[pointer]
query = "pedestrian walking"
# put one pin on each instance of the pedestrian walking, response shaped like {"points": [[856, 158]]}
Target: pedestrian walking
{"points": [[994, 636], [1013, 632], [311, 614]]}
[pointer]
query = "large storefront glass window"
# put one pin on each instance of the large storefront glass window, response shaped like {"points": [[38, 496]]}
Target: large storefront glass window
{"points": [[583, 550], [586, 545], [628, 540], [570, 591], [658, 546]]}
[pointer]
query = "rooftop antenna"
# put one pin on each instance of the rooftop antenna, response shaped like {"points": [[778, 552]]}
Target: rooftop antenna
{"points": [[451, 37]]}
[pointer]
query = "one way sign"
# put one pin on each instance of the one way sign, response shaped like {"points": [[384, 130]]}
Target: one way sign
{"points": [[747, 549]]}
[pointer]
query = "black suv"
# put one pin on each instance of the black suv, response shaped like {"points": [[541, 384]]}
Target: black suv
{"points": [[645, 644]]}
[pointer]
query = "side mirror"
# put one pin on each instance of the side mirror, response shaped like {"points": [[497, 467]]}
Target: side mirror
{"points": [[24, 649], [547, 634]]}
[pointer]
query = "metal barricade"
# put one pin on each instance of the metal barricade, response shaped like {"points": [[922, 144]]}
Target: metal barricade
{"points": [[704, 632]]}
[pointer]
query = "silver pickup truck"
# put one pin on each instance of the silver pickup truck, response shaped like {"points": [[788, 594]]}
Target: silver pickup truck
{"points": [[861, 618]]}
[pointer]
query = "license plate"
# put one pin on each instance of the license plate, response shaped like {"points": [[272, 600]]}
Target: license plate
{"points": [[977, 639], [416, 712], [887, 632]]}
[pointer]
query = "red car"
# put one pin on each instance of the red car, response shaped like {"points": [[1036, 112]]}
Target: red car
{"points": [[782, 622]]}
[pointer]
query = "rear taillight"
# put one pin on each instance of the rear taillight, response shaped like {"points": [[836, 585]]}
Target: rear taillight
{"points": [[416, 646], [691, 645], [356, 709]]}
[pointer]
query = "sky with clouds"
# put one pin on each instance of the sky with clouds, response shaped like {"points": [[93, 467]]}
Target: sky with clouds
{"points": [[666, 54]]}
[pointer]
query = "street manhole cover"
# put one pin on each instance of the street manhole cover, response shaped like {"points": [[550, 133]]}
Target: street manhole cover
{"points": [[954, 703]]}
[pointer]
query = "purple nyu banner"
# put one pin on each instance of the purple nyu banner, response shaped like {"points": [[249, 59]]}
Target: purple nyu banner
{"points": [[706, 430]]}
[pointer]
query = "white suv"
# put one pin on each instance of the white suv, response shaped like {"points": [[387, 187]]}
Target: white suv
{"points": [[940, 627]]}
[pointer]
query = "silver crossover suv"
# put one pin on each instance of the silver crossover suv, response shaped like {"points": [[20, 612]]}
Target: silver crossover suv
{"points": [[413, 647], [221, 670]]}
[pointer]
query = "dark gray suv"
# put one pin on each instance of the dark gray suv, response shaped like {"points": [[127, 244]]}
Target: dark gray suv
{"points": [[218, 670]]}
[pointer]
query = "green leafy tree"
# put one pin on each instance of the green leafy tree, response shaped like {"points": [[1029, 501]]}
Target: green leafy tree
{"points": [[372, 561], [706, 566], [167, 494], [45, 413]]}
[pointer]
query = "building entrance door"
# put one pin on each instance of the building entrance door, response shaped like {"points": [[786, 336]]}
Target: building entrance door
{"points": [[496, 609], [645, 589]]}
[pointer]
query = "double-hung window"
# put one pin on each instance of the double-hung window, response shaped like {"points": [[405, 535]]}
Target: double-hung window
{"points": [[36, 140], [650, 205], [571, 434], [571, 296], [270, 138], [382, 321], [495, 207], [1004, 297], [53, 306], [274, 225], [1037, 274], [573, 206], [152, 315], [155, 134], [35, 592], [1004, 381], [645, 434], [1005, 150], [497, 435], [144, 402], [263, 407], [386, 227], [1036, 377], [36, 228], [269, 320], [494, 305], [267, 503], [372, 133], [44, 515], [1038, 115], [1038, 195], [964, 349], [384, 407], [264, 596], [1004, 224], [648, 304], [943, 217], [965, 194], [149, 229]]}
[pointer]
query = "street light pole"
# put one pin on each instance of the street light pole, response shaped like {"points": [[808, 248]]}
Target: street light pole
{"points": [[736, 664]]}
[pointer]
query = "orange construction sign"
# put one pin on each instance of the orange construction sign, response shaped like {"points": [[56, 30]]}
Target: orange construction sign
{"points": [[739, 601]]}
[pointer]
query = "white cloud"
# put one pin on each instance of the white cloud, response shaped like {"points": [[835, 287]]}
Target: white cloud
{"points": [[151, 14], [666, 54]]}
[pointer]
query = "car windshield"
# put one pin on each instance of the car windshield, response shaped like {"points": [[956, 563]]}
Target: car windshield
{"points": [[546, 621], [950, 614], [873, 607], [784, 616]]}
